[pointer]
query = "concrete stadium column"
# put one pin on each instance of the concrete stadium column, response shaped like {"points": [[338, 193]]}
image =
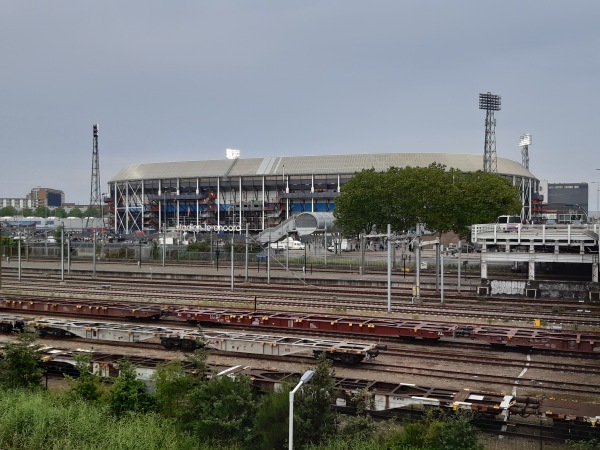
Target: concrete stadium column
{"points": [[531, 270], [483, 269], [262, 214]]}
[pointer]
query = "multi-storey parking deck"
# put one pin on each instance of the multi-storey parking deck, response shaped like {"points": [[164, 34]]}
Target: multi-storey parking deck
{"points": [[343, 324], [532, 244]]}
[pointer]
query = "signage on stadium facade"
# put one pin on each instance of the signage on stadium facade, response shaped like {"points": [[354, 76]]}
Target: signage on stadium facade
{"points": [[210, 228]]}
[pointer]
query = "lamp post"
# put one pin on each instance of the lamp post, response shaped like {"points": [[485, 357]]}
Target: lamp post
{"points": [[232, 261], [164, 248], [69, 254], [1, 256], [303, 380], [94, 254], [62, 252], [304, 269], [19, 252], [597, 183]]}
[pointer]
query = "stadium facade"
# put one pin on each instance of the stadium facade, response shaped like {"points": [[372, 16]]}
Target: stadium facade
{"points": [[261, 192]]}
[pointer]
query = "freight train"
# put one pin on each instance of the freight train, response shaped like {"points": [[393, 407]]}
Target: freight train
{"points": [[190, 339], [572, 341]]}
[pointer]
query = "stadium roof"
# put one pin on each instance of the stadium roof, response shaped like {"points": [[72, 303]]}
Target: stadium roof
{"points": [[313, 165]]}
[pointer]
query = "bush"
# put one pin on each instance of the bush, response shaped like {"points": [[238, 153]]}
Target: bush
{"points": [[20, 363], [40, 420]]}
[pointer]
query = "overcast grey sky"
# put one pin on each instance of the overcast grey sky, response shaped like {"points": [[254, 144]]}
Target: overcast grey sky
{"points": [[184, 80]]}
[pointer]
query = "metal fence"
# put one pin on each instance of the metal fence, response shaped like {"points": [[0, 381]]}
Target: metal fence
{"points": [[152, 253]]}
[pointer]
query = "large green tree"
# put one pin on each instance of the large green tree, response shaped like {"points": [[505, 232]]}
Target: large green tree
{"points": [[358, 209], [482, 197], [222, 409], [315, 421], [273, 408], [442, 199]]}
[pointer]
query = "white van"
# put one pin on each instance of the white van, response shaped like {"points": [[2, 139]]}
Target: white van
{"points": [[344, 245], [289, 242], [296, 245], [508, 223]]}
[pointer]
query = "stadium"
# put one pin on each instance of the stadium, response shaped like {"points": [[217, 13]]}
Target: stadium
{"points": [[227, 194]]}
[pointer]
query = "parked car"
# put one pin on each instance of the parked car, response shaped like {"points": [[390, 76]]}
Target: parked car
{"points": [[451, 251]]}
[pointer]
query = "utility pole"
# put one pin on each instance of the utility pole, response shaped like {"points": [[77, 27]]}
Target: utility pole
{"points": [[417, 249], [95, 199]]}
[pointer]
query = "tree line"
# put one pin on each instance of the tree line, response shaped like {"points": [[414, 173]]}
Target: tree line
{"points": [[43, 211]]}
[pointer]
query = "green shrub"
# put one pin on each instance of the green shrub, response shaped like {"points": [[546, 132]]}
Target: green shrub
{"points": [[42, 421]]}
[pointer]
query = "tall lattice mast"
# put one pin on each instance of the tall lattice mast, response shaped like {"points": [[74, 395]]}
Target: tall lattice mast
{"points": [[95, 199], [490, 103]]}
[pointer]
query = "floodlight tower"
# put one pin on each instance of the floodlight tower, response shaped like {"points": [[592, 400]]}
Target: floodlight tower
{"points": [[526, 182], [490, 103], [524, 143], [95, 199]]}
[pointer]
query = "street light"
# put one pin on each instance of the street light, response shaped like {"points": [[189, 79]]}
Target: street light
{"points": [[597, 183], [597, 197], [303, 380], [19, 236]]}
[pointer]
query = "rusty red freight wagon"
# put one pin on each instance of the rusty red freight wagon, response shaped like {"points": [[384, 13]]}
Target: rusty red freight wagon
{"points": [[342, 324], [106, 309], [537, 338]]}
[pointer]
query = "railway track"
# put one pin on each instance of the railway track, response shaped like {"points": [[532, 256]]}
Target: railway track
{"points": [[475, 308], [399, 289]]}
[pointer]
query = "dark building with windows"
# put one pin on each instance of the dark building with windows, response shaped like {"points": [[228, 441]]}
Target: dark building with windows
{"points": [[565, 202]]}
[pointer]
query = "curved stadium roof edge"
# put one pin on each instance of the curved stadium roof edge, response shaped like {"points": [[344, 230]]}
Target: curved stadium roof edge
{"points": [[302, 165]]}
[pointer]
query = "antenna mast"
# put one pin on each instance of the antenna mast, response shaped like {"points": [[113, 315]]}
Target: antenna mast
{"points": [[95, 200]]}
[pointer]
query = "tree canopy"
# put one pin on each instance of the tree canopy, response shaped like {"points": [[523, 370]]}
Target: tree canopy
{"points": [[42, 211], [76, 212], [20, 363], [60, 212], [8, 211], [92, 211], [442, 199]]}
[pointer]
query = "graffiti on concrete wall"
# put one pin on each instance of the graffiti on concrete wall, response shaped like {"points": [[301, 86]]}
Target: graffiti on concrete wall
{"points": [[507, 287]]}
